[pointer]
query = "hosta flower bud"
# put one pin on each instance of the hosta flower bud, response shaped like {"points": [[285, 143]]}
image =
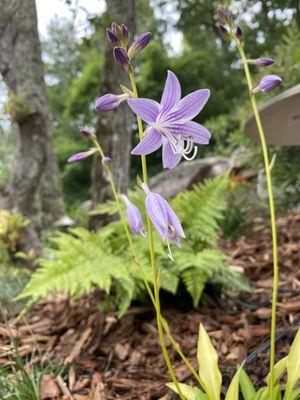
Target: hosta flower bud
{"points": [[105, 161], [82, 155], [239, 33], [112, 38], [268, 83], [110, 101], [134, 217], [224, 30], [223, 13], [121, 57], [139, 44], [85, 132], [261, 62], [125, 35]]}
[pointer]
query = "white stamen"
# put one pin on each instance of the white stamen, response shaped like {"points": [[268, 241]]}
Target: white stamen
{"points": [[192, 157], [170, 252]]}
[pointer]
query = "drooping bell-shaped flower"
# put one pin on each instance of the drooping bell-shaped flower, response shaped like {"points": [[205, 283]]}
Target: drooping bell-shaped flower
{"points": [[261, 62], [82, 155], [110, 101], [134, 217], [268, 83], [169, 123], [163, 218]]}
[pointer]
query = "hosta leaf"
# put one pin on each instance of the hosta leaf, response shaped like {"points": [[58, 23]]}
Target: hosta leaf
{"points": [[279, 370], [293, 366], [247, 387], [208, 365], [295, 395], [189, 392], [233, 390]]}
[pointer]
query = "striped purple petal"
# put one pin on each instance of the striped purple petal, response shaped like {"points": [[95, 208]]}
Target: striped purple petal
{"points": [[196, 131], [172, 91], [151, 142], [146, 109], [189, 106], [170, 159]]}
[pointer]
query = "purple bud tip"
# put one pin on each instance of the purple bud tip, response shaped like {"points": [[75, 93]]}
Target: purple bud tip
{"points": [[261, 62], [139, 44], [110, 101], [112, 38], [239, 33], [105, 161], [224, 30], [125, 35], [82, 155], [121, 57], [85, 132], [268, 83], [223, 13]]}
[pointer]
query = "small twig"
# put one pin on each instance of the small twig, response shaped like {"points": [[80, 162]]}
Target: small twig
{"points": [[63, 387]]}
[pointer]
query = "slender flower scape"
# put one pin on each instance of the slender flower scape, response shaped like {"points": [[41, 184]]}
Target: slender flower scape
{"points": [[110, 101], [163, 218], [169, 123], [82, 155], [268, 83], [134, 217], [261, 62]]}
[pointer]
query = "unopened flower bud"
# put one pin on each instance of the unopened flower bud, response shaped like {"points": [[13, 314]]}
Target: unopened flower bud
{"points": [[105, 161], [110, 101], [134, 217], [82, 155], [224, 30], [125, 35], [261, 62], [239, 33], [112, 38], [223, 13], [268, 83], [121, 57], [85, 132], [139, 44]]}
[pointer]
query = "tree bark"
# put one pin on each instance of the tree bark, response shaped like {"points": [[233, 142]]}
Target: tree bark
{"points": [[113, 128], [34, 161]]}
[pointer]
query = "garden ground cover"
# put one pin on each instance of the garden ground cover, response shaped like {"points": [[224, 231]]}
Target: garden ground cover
{"points": [[111, 359]]}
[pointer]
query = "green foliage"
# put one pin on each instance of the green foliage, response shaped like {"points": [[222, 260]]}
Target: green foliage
{"points": [[81, 259], [210, 376]]}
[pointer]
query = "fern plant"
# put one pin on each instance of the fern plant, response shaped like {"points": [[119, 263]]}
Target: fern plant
{"points": [[80, 260]]}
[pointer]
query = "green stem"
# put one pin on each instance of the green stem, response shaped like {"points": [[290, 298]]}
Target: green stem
{"points": [[152, 258], [272, 215]]}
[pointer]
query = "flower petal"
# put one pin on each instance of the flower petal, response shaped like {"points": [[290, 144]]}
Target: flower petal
{"points": [[147, 109], [198, 132], [170, 159], [172, 91], [174, 221], [157, 212], [151, 142], [189, 106]]}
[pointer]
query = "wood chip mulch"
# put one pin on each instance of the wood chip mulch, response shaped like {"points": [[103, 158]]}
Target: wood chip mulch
{"points": [[109, 359]]}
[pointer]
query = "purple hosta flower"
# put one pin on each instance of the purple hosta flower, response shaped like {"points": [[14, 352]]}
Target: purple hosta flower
{"points": [[268, 83], [86, 132], [169, 123], [134, 217], [163, 218], [110, 101], [139, 44], [105, 161], [261, 62], [121, 57], [82, 155]]}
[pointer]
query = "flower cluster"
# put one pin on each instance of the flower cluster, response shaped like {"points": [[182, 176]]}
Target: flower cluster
{"points": [[228, 29]]}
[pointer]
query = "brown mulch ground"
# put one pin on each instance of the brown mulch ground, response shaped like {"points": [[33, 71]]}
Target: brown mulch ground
{"points": [[110, 359]]}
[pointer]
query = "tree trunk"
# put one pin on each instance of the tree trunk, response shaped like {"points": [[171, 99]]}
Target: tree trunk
{"points": [[113, 128], [34, 161]]}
